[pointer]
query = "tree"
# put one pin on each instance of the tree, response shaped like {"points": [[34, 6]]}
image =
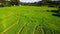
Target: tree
{"points": [[2, 3], [44, 2], [15, 2]]}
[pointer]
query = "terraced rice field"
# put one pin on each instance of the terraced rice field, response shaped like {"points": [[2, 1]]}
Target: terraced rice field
{"points": [[28, 20]]}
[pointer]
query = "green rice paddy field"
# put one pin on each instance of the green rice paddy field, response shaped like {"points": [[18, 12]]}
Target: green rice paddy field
{"points": [[28, 20]]}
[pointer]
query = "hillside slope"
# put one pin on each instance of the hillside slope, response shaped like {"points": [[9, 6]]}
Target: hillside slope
{"points": [[28, 20]]}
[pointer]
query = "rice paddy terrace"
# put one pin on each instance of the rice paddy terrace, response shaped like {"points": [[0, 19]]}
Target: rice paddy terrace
{"points": [[28, 20]]}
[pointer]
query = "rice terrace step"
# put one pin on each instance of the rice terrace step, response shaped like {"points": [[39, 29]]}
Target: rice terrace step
{"points": [[28, 20]]}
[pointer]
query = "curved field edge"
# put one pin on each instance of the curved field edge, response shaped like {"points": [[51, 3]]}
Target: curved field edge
{"points": [[28, 20]]}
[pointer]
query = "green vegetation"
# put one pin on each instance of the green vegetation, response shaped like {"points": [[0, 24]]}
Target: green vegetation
{"points": [[28, 20]]}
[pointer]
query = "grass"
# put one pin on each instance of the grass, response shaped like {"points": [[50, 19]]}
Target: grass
{"points": [[28, 20]]}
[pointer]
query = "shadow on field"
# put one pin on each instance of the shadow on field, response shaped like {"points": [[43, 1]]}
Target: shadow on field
{"points": [[58, 15], [55, 12]]}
